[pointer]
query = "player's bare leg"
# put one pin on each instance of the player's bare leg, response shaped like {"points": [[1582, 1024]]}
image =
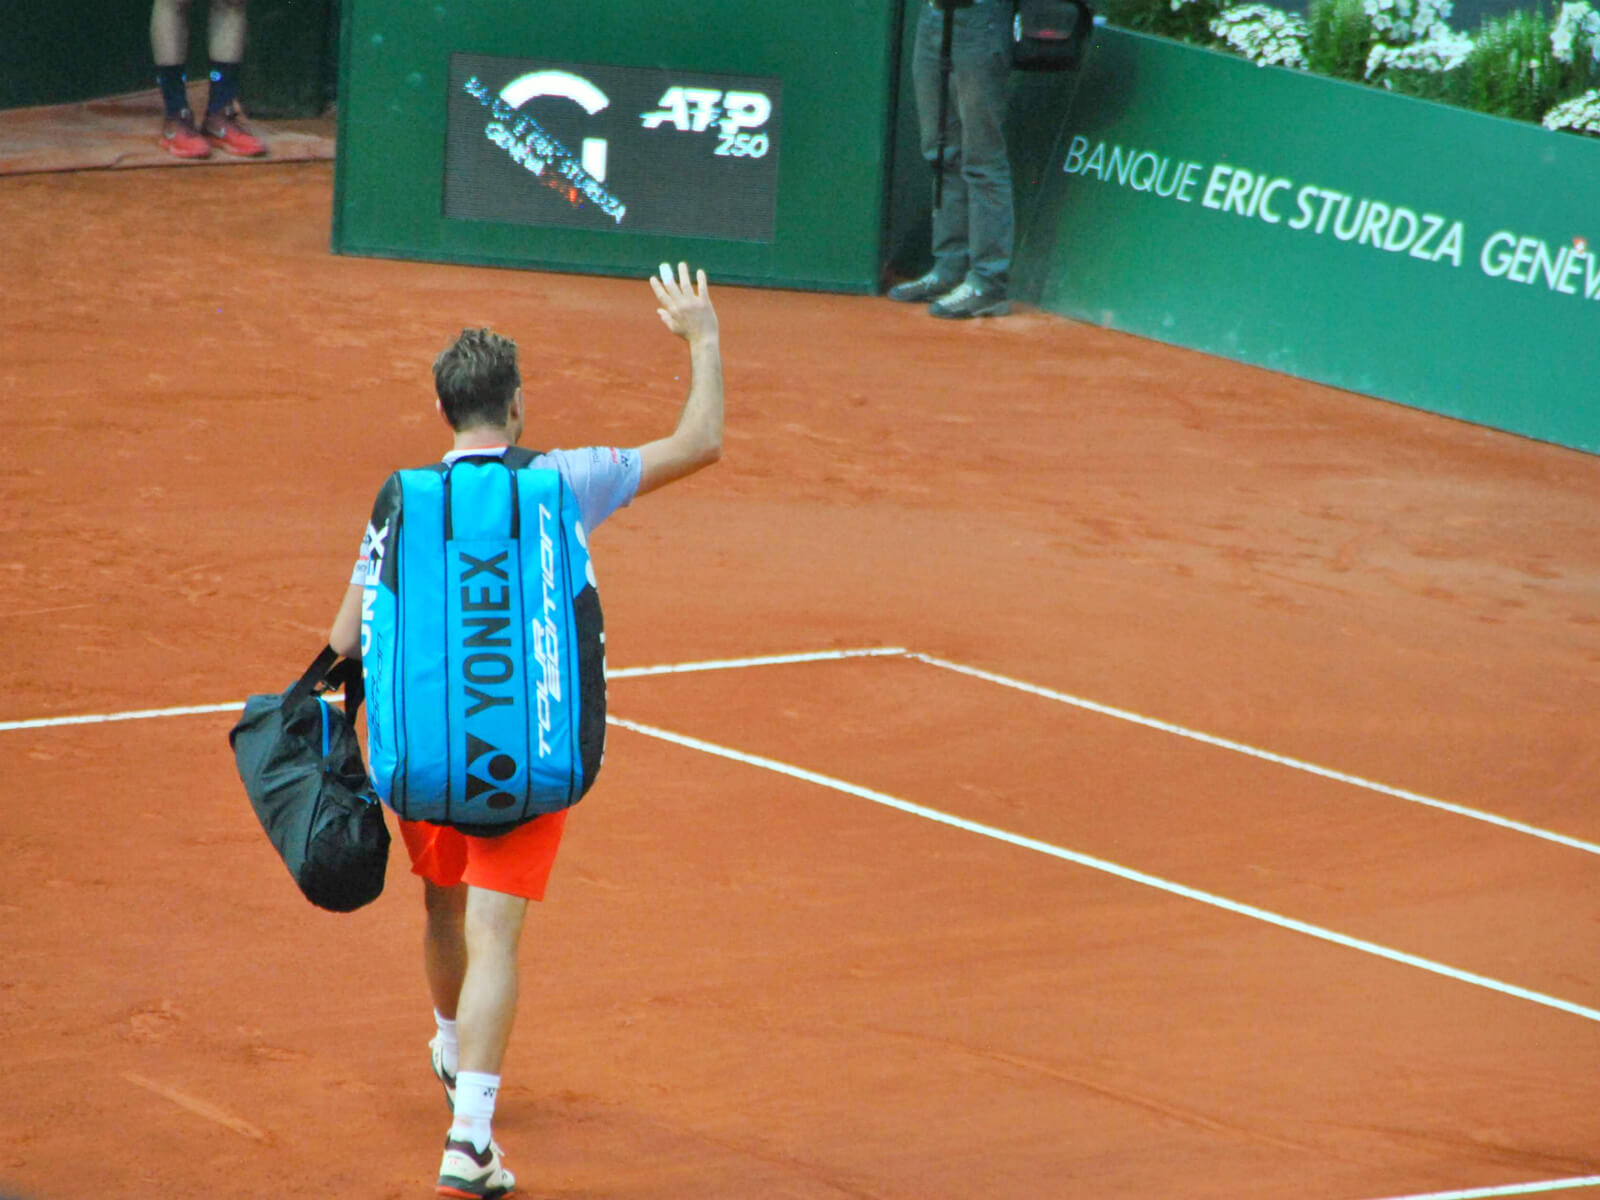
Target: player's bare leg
{"points": [[487, 1005], [444, 945], [485, 1010]]}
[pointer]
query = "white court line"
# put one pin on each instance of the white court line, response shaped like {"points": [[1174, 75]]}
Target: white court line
{"points": [[769, 660], [1109, 868], [724, 664], [1515, 1189], [143, 714], [715, 664], [1310, 768]]}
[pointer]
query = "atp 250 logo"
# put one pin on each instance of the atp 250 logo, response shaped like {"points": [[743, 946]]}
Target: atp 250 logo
{"points": [[737, 115]]}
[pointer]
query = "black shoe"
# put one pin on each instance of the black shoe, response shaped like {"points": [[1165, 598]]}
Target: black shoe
{"points": [[922, 289], [969, 300]]}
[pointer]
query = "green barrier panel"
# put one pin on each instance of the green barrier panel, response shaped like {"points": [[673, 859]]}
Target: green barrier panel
{"points": [[1411, 251], [607, 136]]}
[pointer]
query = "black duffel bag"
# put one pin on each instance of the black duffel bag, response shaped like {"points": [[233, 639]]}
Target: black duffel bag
{"points": [[302, 769]]}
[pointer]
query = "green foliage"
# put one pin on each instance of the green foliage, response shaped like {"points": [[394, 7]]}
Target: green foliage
{"points": [[1447, 87], [1339, 39], [1185, 20], [1511, 72], [1582, 74]]}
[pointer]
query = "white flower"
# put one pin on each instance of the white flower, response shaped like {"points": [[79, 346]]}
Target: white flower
{"points": [[1577, 23], [1399, 22], [1443, 50], [1581, 114], [1263, 35]]}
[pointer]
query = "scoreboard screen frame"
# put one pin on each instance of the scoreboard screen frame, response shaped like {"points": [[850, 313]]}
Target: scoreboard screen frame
{"points": [[613, 149], [752, 139]]}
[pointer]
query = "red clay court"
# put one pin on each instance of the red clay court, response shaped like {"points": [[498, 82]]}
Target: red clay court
{"points": [[1212, 817]]}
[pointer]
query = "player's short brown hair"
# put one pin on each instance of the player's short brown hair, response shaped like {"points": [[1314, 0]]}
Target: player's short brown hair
{"points": [[476, 378]]}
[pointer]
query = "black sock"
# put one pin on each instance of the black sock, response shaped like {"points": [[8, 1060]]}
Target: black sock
{"points": [[174, 90], [224, 87]]}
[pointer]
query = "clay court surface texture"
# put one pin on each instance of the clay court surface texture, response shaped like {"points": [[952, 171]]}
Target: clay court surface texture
{"points": [[1183, 785]]}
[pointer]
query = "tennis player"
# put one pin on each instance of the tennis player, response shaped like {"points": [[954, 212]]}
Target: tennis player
{"points": [[476, 890]]}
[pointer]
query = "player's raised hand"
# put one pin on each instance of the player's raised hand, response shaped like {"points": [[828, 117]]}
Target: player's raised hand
{"points": [[685, 305]]}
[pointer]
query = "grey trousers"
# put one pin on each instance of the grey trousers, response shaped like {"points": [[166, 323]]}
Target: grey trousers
{"points": [[974, 226]]}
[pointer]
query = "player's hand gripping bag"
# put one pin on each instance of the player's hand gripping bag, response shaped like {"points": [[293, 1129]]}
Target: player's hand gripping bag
{"points": [[302, 769]]}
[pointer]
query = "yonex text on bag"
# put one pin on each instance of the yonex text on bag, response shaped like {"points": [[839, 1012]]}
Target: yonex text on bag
{"points": [[482, 645]]}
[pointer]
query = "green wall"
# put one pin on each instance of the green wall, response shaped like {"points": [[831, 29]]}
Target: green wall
{"points": [[52, 53], [1464, 279]]}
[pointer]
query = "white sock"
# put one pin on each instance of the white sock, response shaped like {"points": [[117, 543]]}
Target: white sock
{"points": [[475, 1096], [448, 1047]]}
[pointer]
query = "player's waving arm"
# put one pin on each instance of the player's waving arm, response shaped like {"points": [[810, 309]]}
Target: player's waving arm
{"points": [[685, 309]]}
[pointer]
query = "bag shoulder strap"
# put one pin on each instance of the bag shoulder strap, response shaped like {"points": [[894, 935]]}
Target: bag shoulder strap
{"points": [[517, 457]]}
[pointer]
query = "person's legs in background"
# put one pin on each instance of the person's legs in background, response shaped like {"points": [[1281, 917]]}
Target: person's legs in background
{"points": [[949, 243], [980, 69], [169, 46], [224, 125]]}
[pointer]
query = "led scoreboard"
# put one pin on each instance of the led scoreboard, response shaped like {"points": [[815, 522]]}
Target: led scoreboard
{"points": [[608, 136], [612, 148]]}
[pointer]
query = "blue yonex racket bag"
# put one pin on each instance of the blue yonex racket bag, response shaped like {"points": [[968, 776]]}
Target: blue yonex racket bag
{"points": [[482, 645]]}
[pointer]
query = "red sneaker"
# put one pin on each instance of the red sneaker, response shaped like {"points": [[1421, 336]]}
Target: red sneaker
{"points": [[181, 139], [228, 133]]}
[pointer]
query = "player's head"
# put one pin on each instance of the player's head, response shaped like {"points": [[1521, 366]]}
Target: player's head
{"points": [[477, 380]]}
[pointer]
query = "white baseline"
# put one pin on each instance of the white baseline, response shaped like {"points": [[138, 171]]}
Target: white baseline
{"points": [[1121, 714]]}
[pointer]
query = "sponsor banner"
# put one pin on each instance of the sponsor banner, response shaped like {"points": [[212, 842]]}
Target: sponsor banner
{"points": [[1408, 250]]}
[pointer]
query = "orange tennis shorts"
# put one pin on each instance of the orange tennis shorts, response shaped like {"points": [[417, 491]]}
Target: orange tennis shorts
{"points": [[516, 863]]}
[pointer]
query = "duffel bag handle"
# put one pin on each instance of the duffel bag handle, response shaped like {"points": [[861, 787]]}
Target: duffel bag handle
{"points": [[323, 675]]}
